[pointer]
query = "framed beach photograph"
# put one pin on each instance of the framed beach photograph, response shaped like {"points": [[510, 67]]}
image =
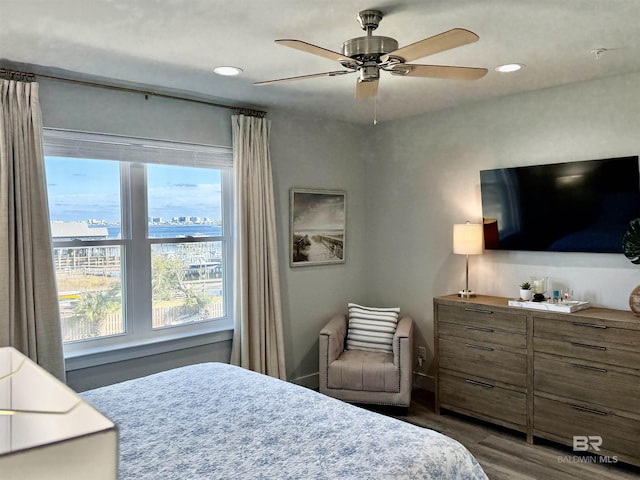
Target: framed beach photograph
{"points": [[318, 227]]}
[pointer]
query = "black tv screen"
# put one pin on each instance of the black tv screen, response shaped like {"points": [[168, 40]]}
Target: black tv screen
{"points": [[583, 206]]}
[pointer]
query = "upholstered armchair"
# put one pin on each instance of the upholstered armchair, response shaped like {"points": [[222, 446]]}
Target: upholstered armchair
{"points": [[367, 377]]}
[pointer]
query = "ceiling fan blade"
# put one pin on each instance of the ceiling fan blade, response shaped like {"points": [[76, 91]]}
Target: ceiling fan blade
{"points": [[456, 37], [304, 77], [439, 71], [315, 50], [366, 89]]}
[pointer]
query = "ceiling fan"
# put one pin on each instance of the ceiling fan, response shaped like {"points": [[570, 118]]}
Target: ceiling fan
{"points": [[368, 55]]}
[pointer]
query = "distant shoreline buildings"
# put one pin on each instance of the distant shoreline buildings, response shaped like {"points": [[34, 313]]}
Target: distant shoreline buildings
{"points": [[182, 220], [93, 229]]}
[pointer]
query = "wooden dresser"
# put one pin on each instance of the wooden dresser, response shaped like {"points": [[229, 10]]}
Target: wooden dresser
{"points": [[550, 375]]}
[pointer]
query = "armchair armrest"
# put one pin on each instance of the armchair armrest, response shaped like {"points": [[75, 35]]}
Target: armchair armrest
{"points": [[331, 341], [404, 329], [403, 344], [332, 338]]}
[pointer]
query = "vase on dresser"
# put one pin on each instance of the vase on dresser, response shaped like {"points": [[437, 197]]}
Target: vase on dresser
{"points": [[634, 301]]}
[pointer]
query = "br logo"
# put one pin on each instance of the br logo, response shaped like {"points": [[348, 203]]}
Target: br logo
{"points": [[582, 443]]}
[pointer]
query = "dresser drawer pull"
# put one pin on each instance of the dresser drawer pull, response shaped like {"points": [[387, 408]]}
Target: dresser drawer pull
{"points": [[586, 345], [589, 367], [592, 325], [479, 347], [480, 329], [480, 384], [588, 410], [478, 310]]}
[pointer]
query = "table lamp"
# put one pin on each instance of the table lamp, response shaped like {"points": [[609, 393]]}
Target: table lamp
{"points": [[47, 430], [467, 240]]}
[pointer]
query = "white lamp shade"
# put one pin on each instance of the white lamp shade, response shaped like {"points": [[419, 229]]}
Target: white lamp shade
{"points": [[467, 238], [47, 430]]}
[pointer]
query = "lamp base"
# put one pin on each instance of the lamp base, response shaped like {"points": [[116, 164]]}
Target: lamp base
{"points": [[466, 294]]}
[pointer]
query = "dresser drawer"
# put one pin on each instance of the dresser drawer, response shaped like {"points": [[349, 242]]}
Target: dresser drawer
{"points": [[560, 421], [481, 316], [588, 382], [483, 359], [482, 398], [593, 351], [585, 330], [485, 334]]}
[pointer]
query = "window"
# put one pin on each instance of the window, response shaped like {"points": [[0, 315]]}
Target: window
{"points": [[141, 235]]}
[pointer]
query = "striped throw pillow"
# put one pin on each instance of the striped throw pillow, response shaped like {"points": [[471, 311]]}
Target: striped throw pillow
{"points": [[371, 329]]}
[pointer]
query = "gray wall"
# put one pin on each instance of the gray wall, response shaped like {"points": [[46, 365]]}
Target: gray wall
{"points": [[425, 177], [310, 152], [82, 379], [90, 109]]}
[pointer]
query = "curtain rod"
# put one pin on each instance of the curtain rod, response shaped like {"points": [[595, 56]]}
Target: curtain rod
{"points": [[18, 76], [31, 77]]}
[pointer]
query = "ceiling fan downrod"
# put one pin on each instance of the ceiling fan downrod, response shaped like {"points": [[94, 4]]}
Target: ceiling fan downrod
{"points": [[369, 49]]}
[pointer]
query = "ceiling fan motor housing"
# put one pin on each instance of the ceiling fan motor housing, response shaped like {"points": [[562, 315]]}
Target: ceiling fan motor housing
{"points": [[368, 50], [371, 47]]}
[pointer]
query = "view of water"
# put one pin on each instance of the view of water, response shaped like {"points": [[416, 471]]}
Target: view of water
{"points": [[172, 231]]}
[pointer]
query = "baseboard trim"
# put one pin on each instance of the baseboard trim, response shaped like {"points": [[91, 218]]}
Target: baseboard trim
{"points": [[424, 381], [311, 381]]}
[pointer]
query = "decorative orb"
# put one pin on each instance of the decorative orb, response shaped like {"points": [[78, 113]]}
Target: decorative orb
{"points": [[634, 301]]}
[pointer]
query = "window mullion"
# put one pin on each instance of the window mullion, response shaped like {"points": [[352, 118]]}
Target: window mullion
{"points": [[228, 233], [139, 256]]}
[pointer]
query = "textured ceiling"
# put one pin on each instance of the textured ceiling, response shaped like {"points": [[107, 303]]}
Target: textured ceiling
{"points": [[175, 44]]}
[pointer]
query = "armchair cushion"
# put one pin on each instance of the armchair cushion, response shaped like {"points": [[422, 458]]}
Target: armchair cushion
{"points": [[371, 329], [364, 370]]}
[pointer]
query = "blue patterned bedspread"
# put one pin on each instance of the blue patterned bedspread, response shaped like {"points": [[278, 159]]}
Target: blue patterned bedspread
{"points": [[217, 421]]}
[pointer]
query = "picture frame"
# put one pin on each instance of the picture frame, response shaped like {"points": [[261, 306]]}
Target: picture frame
{"points": [[317, 227]]}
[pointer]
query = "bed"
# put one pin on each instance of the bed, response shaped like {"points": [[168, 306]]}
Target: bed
{"points": [[217, 421]]}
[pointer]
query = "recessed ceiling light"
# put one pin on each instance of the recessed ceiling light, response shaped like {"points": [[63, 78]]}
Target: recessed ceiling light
{"points": [[509, 67], [227, 71]]}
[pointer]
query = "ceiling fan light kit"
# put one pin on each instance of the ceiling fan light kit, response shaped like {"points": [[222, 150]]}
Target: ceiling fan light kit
{"points": [[370, 54]]}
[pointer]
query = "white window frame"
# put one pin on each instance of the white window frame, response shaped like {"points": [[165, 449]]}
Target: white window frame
{"points": [[140, 339]]}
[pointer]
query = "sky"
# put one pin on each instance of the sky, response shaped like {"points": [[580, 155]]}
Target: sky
{"points": [[318, 211], [81, 190]]}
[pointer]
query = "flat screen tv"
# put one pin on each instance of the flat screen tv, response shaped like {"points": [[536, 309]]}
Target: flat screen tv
{"points": [[583, 206]]}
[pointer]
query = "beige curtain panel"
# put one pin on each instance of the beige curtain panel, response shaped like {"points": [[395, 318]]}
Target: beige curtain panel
{"points": [[29, 315], [258, 340]]}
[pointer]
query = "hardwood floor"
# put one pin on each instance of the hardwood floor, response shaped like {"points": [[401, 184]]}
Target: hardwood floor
{"points": [[506, 455]]}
